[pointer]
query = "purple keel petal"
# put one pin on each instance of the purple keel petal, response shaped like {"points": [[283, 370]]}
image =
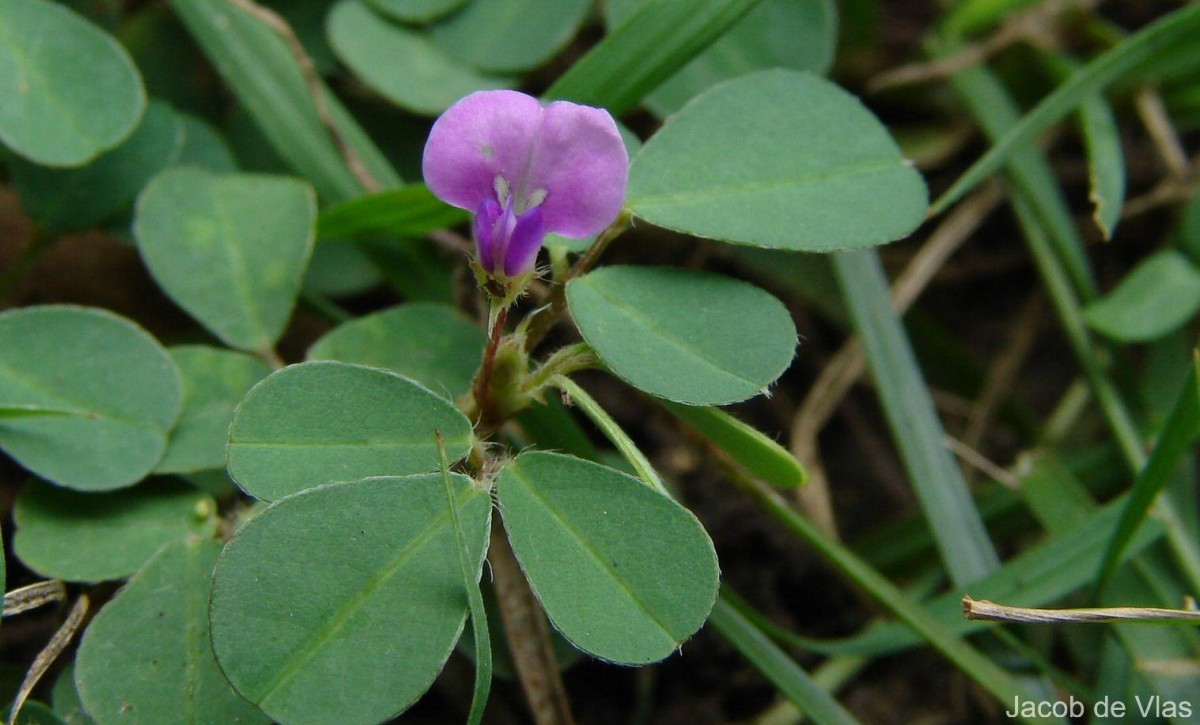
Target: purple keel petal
{"points": [[581, 163], [485, 135], [485, 238], [524, 242]]}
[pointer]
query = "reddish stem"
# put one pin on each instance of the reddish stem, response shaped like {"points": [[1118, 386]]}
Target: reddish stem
{"points": [[484, 381]]}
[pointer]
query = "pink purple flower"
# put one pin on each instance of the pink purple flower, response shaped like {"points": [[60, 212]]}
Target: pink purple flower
{"points": [[526, 170]]}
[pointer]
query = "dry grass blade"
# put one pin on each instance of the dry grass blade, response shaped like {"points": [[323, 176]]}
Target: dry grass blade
{"points": [[33, 596], [991, 612], [49, 653]]}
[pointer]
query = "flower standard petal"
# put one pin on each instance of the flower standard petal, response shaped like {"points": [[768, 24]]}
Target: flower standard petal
{"points": [[580, 162], [486, 135]]}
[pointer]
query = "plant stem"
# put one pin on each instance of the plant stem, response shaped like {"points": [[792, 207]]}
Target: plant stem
{"points": [[496, 321], [528, 635], [564, 361], [545, 318]]}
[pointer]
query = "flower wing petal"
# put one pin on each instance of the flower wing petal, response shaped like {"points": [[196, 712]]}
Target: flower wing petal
{"points": [[524, 243], [485, 135], [581, 163]]}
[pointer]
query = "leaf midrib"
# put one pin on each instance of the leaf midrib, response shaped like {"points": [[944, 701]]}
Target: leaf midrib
{"points": [[353, 605], [585, 546], [814, 178], [635, 316]]}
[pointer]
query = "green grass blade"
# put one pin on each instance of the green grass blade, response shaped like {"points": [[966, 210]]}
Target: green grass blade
{"points": [[890, 598], [267, 80], [479, 623], [1028, 172], [408, 211], [961, 538], [749, 447], [1106, 163], [788, 677], [1181, 26], [1175, 440], [1037, 577], [659, 38]]}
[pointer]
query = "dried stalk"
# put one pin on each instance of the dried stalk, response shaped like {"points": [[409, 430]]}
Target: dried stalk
{"points": [[990, 612], [528, 635], [49, 653], [33, 596]]}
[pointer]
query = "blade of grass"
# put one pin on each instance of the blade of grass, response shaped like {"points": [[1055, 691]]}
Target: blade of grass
{"points": [[788, 677], [746, 445], [267, 80], [961, 538], [655, 41], [1041, 575], [479, 623], [408, 211], [1027, 170], [1175, 440], [888, 596], [1181, 26]]}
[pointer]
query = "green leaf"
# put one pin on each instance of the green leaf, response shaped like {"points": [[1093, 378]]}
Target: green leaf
{"points": [[776, 34], [962, 540], [91, 537], [1157, 296], [688, 336], [341, 603], [204, 147], [732, 166], [214, 382], [509, 36], [1106, 163], [428, 342], [33, 713], [65, 699], [340, 269], [762, 457], [70, 90], [319, 422], [409, 211], [403, 65], [115, 391], [260, 69], [1179, 27], [146, 656], [624, 572], [658, 39], [416, 11], [230, 249], [73, 198]]}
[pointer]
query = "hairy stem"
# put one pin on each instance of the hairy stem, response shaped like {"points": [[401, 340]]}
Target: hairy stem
{"points": [[544, 319], [528, 635]]}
